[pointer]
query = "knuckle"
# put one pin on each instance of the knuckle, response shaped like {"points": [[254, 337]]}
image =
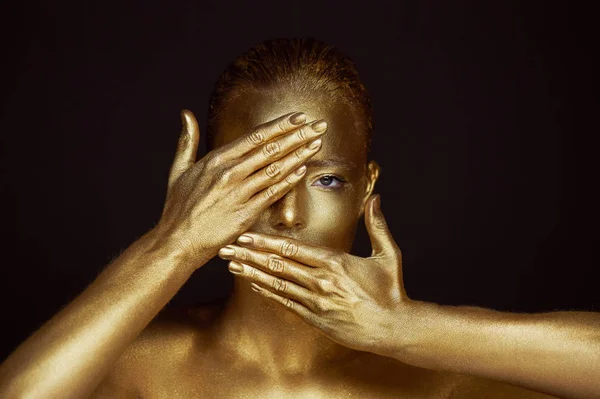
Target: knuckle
{"points": [[324, 285], [272, 170], [240, 216], [224, 176], [213, 161], [260, 242], [275, 264], [321, 306], [302, 134], [289, 248], [252, 273], [380, 224], [271, 149], [271, 192], [289, 180], [334, 283], [319, 274], [184, 139], [336, 261], [255, 137], [282, 125], [279, 285], [288, 303], [243, 255], [299, 153]]}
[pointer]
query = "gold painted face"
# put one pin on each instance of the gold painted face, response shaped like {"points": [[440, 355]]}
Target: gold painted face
{"points": [[325, 207]]}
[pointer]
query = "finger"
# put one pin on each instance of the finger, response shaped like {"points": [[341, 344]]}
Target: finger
{"points": [[187, 147], [382, 241], [282, 287], [275, 171], [261, 135], [294, 306], [268, 154], [265, 198], [272, 264], [299, 251]]}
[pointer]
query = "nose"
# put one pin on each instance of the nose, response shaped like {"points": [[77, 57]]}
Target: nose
{"points": [[287, 212]]}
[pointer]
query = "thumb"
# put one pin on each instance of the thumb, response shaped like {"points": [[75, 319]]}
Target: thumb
{"points": [[382, 241], [187, 147]]}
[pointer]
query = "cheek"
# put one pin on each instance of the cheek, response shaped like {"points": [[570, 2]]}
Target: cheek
{"points": [[333, 220]]}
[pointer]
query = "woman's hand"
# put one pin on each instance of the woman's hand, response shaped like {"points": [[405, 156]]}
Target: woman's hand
{"points": [[355, 301], [361, 303], [209, 203], [212, 201]]}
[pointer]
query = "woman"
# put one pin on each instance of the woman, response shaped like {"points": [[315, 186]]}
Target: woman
{"points": [[290, 124]]}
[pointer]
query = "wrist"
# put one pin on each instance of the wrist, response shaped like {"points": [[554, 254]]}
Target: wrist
{"points": [[411, 321], [162, 243]]}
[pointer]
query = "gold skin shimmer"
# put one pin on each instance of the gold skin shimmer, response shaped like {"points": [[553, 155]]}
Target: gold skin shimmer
{"points": [[111, 342]]}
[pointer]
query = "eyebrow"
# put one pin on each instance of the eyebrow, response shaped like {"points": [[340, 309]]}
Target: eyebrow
{"points": [[333, 162]]}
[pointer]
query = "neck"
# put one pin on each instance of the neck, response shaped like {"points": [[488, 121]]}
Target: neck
{"points": [[278, 341]]}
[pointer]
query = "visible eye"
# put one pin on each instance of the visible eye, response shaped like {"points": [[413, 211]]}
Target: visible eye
{"points": [[329, 181]]}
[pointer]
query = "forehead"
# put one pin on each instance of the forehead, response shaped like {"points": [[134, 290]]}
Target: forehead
{"points": [[343, 139]]}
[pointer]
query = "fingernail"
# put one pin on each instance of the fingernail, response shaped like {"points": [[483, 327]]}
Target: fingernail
{"points": [[298, 118], [300, 171], [255, 287], [235, 267], [315, 144], [378, 203], [319, 126], [184, 134], [183, 118], [227, 251], [245, 239]]}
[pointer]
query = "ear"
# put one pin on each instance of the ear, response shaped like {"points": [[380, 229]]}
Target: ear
{"points": [[372, 171]]}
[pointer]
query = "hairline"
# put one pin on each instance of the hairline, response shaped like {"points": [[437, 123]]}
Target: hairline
{"points": [[259, 87]]}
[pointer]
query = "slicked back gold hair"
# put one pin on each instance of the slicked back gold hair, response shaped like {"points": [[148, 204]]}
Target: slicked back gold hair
{"points": [[304, 65]]}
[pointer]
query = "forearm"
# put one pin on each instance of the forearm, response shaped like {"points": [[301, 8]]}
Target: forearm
{"points": [[557, 353], [73, 351]]}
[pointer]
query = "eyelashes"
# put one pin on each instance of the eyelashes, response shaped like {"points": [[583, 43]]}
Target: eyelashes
{"points": [[330, 182]]}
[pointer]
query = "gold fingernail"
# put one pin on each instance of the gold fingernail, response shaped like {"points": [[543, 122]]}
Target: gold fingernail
{"points": [[319, 126], [235, 267], [255, 287], [298, 118], [315, 144], [227, 251], [300, 171], [245, 239]]}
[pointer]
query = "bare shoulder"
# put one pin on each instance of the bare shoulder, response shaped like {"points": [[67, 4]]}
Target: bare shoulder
{"points": [[161, 347], [481, 388]]}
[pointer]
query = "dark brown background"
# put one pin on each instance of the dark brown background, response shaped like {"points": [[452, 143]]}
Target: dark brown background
{"points": [[485, 118]]}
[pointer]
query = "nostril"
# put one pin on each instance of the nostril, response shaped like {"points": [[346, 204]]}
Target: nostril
{"points": [[287, 213], [289, 226]]}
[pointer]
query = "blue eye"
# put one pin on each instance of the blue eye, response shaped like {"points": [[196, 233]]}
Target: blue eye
{"points": [[329, 181]]}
